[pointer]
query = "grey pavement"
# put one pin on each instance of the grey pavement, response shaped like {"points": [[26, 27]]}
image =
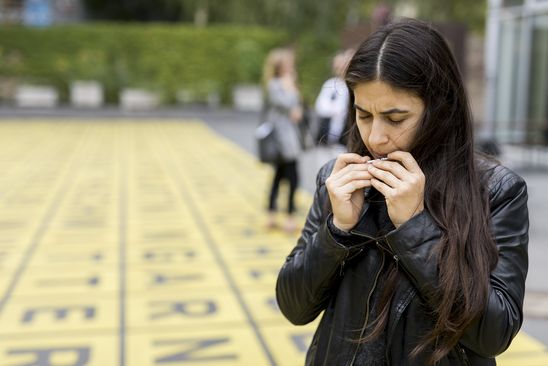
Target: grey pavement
{"points": [[239, 127]]}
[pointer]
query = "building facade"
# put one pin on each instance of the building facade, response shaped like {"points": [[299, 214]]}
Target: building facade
{"points": [[516, 108]]}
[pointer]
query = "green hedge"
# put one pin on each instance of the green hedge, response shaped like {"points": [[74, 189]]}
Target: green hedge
{"points": [[161, 57], [314, 59]]}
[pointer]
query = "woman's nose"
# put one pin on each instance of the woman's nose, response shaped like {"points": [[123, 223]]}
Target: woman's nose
{"points": [[378, 134]]}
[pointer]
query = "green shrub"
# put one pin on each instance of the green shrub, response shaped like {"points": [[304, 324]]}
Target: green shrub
{"points": [[314, 59], [161, 57]]}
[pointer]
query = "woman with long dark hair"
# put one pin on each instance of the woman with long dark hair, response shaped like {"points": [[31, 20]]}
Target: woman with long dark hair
{"points": [[415, 247]]}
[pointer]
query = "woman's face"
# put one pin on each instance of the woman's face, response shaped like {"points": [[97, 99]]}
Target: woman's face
{"points": [[287, 65], [387, 118]]}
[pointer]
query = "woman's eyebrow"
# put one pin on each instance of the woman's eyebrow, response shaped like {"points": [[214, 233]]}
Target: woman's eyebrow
{"points": [[394, 110], [360, 108], [390, 111]]}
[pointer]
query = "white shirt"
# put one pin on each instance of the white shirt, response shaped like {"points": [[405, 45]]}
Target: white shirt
{"points": [[332, 102]]}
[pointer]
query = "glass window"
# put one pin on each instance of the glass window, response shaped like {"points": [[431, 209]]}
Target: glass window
{"points": [[538, 92], [508, 3], [508, 60]]}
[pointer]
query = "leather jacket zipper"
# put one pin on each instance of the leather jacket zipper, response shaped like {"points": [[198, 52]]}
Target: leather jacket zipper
{"points": [[341, 270], [408, 299], [355, 232], [348, 257], [367, 310], [401, 308], [394, 255], [463, 355]]}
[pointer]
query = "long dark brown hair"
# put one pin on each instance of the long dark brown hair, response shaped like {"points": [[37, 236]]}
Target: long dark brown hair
{"points": [[410, 55]]}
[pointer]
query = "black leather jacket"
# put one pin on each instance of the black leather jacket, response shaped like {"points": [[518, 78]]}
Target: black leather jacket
{"points": [[323, 274]]}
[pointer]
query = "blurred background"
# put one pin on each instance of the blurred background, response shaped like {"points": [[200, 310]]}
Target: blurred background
{"points": [[117, 88], [97, 53]]}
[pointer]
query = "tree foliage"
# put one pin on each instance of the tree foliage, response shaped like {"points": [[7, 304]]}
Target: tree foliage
{"points": [[296, 16], [472, 13]]}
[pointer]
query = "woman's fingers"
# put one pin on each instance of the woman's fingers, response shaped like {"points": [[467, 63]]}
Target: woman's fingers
{"points": [[403, 169], [393, 167], [348, 169], [350, 176], [382, 187], [401, 182], [385, 176], [344, 186], [354, 185], [407, 160], [345, 159]]}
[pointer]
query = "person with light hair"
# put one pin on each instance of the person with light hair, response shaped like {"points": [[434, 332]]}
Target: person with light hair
{"points": [[284, 111]]}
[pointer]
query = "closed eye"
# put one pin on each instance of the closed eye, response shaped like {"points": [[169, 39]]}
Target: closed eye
{"points": [[364, 117], [395, 121]]}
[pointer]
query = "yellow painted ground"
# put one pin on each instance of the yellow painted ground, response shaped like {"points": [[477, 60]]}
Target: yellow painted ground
{"points": [[143, 244]]}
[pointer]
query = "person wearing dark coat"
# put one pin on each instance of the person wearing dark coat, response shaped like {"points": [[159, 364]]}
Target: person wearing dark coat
{"points": [[414, 251]]}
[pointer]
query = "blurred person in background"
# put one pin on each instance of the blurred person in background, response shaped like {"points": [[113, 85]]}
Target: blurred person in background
{"points": [[415, 247], [284, 110], [382, 15], [332, 103]]}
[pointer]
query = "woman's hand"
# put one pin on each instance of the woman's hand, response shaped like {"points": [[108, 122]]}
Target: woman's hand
{"points": [[345, 188], [289, 82], [296, 115], [401, 181]]}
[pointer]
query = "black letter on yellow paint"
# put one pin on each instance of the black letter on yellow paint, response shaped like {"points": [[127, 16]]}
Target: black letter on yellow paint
{"points": [[259, 274], [161, 279], [44, 356], [191, 347], [59, 313], [302, 341], [65, 282], [194, 308], [168, 255], [273, 304]]}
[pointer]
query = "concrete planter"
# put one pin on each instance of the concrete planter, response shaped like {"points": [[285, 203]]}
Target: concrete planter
{"points": [[86, 94], [33, 96], [138, 99], [247, 98]]}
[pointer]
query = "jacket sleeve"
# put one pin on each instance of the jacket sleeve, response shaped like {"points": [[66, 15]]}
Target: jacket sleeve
{"points": [[492, 333], [313, 268]]}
